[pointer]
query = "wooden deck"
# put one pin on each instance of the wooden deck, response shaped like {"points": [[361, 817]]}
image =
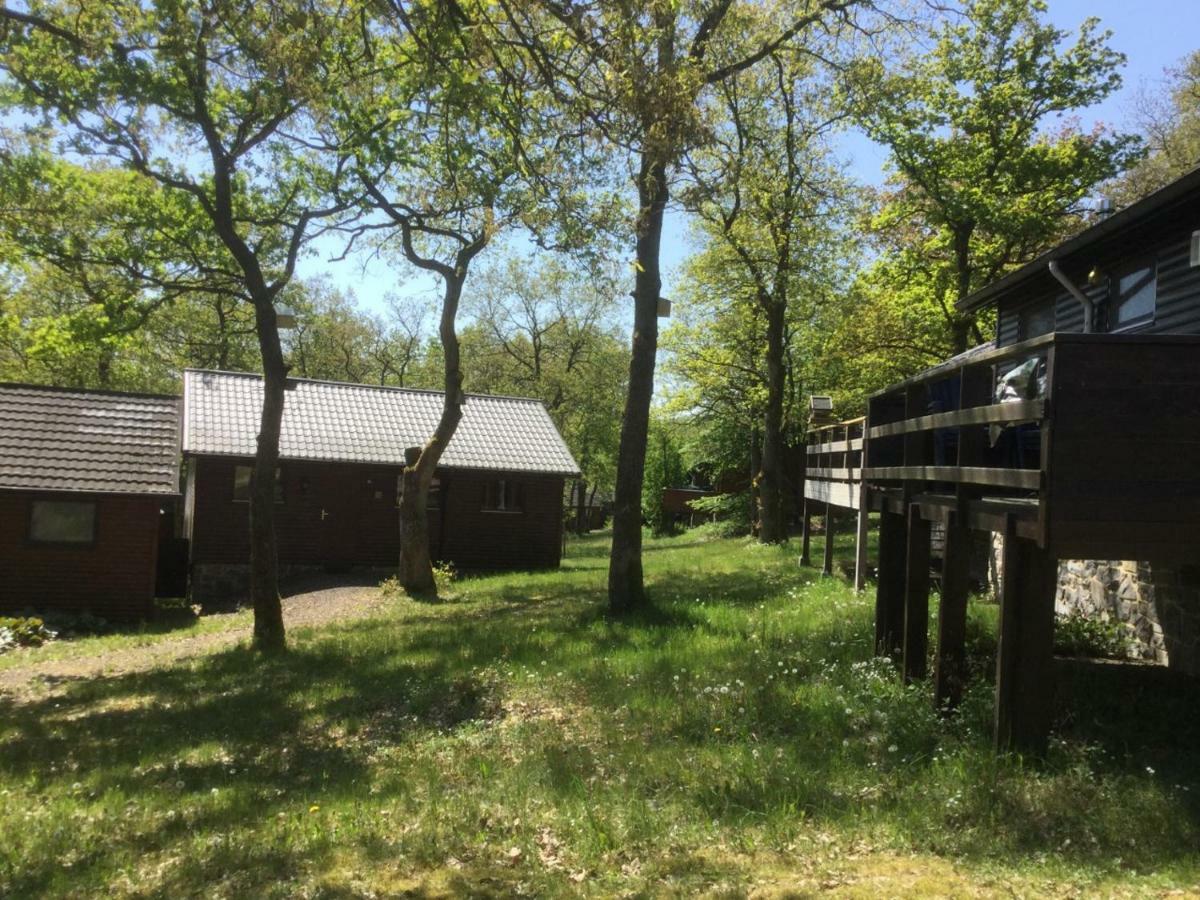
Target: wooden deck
{"points": [[1099, 459]]}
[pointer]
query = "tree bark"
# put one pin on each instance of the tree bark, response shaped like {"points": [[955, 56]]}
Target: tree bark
{"points": [[581, 513], [755, 486], [264, 561], [960, 325], [772, 528], [626, 590], [416, 564]]}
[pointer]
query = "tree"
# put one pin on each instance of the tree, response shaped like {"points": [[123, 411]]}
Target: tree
{"points": [[767, 194], [446, 160], [984, 179], [1170, 122], [207, 103], [638, 70]]}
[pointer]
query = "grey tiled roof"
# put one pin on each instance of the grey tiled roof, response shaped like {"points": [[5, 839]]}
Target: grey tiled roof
{"points": [[61, 439], [324, 420]]}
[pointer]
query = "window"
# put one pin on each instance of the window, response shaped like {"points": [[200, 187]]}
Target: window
{"points": [[502, 495], [1035, 320], [62, 522], [243, 475], [1133, 295]]}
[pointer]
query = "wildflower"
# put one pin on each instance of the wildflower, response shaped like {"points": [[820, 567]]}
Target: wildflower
{"points": [[892, 748], [316, 807], [1149, 770]]}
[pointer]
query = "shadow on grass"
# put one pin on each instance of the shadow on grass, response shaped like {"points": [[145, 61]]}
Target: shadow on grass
{"points": [[277, 734]]}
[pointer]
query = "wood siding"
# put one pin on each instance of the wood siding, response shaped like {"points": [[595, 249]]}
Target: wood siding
{"points": [[1177, 306], [337, 514], [112, 577]]}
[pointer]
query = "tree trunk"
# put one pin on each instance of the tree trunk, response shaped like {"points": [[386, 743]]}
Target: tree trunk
{"points": [[755, 487], [772, 528], [960, 325], [264, 561], [581, 514], [626, 590], [416, 566]]}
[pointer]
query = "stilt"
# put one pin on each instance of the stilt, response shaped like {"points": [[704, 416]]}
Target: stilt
{"points": [[805, 534], [827, 568], [1025, 659], [889, 592], [860, 539], [950, 662], [916, 595]]}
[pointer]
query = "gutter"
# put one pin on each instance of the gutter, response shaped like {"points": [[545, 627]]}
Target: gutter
{"points": [[1075, 292]]}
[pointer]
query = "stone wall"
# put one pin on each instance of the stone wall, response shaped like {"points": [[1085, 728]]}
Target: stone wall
{"points": [[1159, 604]]}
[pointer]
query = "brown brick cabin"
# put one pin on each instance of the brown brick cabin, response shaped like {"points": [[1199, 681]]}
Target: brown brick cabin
{"points": [[85, 480], [497, 503]]}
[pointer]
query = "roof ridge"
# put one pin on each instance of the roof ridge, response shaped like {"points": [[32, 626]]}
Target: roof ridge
{"points": [[100, 392], [370, 387]]}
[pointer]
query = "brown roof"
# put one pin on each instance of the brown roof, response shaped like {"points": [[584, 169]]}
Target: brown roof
{"points": [[63, 439]]}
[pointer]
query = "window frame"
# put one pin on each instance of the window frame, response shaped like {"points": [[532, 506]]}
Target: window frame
{"points": [[499, 487], [1149, 263], [279, 492], [32, 540]]}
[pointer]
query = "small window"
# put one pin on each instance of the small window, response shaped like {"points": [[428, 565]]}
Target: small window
{"points": [[502, 495], [243, 475], [1035, 320], [1133, 296], [62, 522]]}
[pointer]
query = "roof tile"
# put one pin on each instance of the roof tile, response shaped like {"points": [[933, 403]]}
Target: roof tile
{"points": [[341, 422], [63, 439]]}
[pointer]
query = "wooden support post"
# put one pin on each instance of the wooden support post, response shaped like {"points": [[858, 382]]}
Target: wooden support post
{"points": [[1025, 659], [889, 591], [950, 662], [916, 595], [827, 568], [860, 538], [805, 534]]}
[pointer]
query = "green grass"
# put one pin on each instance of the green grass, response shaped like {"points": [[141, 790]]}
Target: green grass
{"points": [[514, 740], [171, 626]]}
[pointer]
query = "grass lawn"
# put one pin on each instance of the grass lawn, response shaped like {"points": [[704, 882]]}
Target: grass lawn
{"points": [[738, 739]]}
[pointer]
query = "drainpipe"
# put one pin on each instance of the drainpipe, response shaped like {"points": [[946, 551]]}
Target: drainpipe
{"points": [[1075, 292]]}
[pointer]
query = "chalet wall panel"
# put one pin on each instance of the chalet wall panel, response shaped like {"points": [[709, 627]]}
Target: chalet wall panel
{"points": [[112, 577], [336, 514]]}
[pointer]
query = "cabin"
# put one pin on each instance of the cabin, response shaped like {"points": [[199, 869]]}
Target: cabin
{"points": [[1075, 436], [496, 501], [88, 481]]}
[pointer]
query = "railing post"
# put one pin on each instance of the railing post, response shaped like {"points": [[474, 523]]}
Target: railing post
{"points": [[827, 567], [805, 531]]}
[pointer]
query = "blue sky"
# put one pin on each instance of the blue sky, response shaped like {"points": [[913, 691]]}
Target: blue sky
{"points": [[1153, 34]]}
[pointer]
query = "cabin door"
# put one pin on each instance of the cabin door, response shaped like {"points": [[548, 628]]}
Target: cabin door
{"points": [[338, 515]]}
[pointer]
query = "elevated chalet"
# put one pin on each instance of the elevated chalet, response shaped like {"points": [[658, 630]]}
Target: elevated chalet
{"points": [[1076, 434], [86, 480], [497, 500]]}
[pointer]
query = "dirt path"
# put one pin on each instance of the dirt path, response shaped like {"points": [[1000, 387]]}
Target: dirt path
{"points": [[315, 604]]}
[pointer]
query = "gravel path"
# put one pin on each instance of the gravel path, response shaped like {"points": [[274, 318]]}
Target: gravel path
{"points": [[309, 604]]}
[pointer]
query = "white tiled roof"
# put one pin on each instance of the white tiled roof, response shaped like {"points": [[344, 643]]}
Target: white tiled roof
{"points": [[325, 420], [64, 439]]}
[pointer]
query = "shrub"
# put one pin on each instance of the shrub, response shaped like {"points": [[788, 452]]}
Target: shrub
{"points": [[1080, 635], [732, 513], [83, 624], [24, 632], [444, 575]]}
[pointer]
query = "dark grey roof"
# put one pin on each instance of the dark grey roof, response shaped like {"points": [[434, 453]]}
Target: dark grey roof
{"points": [[325, 420], [1183, 193], [62, 439]]}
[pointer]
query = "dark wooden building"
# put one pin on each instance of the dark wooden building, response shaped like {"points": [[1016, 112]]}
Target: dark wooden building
{"points": [[87, 485], [497, 502], [1076, 435]]}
